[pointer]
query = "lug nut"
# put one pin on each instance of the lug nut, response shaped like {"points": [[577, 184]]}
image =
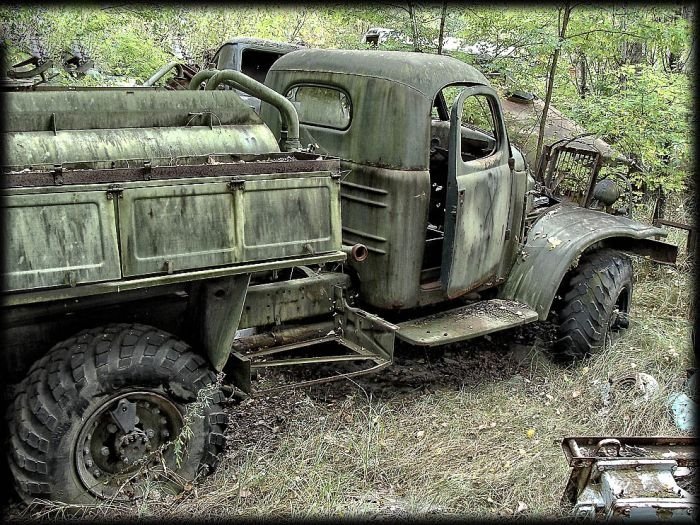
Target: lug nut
{"points": [[165, 434], [125, 460], [163, 421], [111, 428], [150, 433], [104, 451], [86, 450], [89, 463], [96, 473]]}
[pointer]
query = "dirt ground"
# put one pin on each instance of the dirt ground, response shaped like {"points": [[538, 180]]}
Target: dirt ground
{"points": [[415, 371]]}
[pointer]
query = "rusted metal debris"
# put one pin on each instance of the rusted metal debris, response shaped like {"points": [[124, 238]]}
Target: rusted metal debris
{"points": [[570, 171], [186, 167], [648, 478], [657, 219]]}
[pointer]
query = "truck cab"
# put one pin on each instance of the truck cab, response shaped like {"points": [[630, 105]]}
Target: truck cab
{"points": [[437, 197], [252, 57]]}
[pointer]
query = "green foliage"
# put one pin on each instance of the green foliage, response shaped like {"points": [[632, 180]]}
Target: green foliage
{"points": [[522, 39], [623, 71], [648, 120]]}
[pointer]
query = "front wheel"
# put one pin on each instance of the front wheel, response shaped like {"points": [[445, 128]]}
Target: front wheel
{"points": [[109, 408], [596, 299]]}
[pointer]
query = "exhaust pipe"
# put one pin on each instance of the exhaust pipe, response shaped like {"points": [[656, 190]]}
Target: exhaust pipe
{"points": [[356, 252]]}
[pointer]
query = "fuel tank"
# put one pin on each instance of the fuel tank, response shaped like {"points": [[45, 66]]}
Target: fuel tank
{"points": [[102, 128]]}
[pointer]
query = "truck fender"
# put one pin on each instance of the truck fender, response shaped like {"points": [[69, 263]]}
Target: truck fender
{"points": [[217, 309], [557, 239]]}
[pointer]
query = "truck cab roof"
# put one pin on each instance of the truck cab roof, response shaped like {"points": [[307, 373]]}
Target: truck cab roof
{"points": [[426, 73], [262, 43]]}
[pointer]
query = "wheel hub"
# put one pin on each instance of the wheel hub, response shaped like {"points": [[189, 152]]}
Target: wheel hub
{"points": [[122, 440], [133, 446], [620, 320]]}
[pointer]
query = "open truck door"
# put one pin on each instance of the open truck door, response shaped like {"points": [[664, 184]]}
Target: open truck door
{"points": [[478, 193]]}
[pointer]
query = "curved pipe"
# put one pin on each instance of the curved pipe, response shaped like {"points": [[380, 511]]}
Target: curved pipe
{"points": [[290, 119], [161, 73], [200, 77], [356, 252]]}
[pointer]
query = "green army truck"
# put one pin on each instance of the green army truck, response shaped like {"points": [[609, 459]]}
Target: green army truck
{"points": [[154, 239]]}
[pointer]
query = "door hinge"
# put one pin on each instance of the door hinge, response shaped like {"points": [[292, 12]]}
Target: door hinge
{"points": [[115, 191], [236, 184], [58, 174]]}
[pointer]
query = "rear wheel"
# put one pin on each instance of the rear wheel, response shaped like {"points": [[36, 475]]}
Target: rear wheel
{"points": [[107, 409], [596, 299]]}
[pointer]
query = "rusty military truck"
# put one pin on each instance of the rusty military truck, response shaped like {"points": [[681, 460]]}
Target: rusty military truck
{"points": [[154, 239]]}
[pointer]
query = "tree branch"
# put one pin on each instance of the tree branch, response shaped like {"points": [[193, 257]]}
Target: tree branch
{"points": [[395, 6], [609, 31]]}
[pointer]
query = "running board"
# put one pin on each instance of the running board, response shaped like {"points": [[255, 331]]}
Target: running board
{"points": [[467, 322]]}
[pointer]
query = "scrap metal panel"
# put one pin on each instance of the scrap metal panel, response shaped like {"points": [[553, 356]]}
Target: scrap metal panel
{"points": [[292, 216], [200, 224], [59, 239], [178, 227]]}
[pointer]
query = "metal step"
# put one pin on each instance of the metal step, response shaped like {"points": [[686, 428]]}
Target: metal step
{"points": [[366, 337], [245, 364], [467, 322]]}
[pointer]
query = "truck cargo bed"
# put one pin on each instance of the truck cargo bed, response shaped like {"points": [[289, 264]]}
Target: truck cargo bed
{"points": [[71, 227]]}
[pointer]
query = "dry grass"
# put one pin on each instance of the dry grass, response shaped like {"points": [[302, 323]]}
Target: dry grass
{"points": [[472, 452]]}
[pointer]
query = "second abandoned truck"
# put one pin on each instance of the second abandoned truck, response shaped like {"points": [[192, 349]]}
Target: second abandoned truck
{"points": [[155, 238]]}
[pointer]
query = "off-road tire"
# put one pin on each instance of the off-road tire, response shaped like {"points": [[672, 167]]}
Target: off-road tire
{"points": [[79, 378], [592, 297]]}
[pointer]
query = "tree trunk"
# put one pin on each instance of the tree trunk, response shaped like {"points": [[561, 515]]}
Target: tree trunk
{"points": [[441, 37], [582, 75], [550, 80], [414, 26]]}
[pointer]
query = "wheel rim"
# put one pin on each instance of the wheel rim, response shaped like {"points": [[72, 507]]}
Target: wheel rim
{"points": [[120, 443], [619, 318]]}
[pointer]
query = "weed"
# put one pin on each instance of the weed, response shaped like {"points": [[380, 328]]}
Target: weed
{"points": [[194, 413]]}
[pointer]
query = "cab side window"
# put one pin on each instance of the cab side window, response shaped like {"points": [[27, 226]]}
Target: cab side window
{"points": [[478, 123], [321, 106], [478, 128]]}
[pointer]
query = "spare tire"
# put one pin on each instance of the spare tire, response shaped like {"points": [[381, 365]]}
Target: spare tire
{"points": [[109, 407], [595, 301]]}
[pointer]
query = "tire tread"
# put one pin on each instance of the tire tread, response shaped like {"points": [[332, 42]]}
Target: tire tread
{"points": [[588, 297], [62, 383]]}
